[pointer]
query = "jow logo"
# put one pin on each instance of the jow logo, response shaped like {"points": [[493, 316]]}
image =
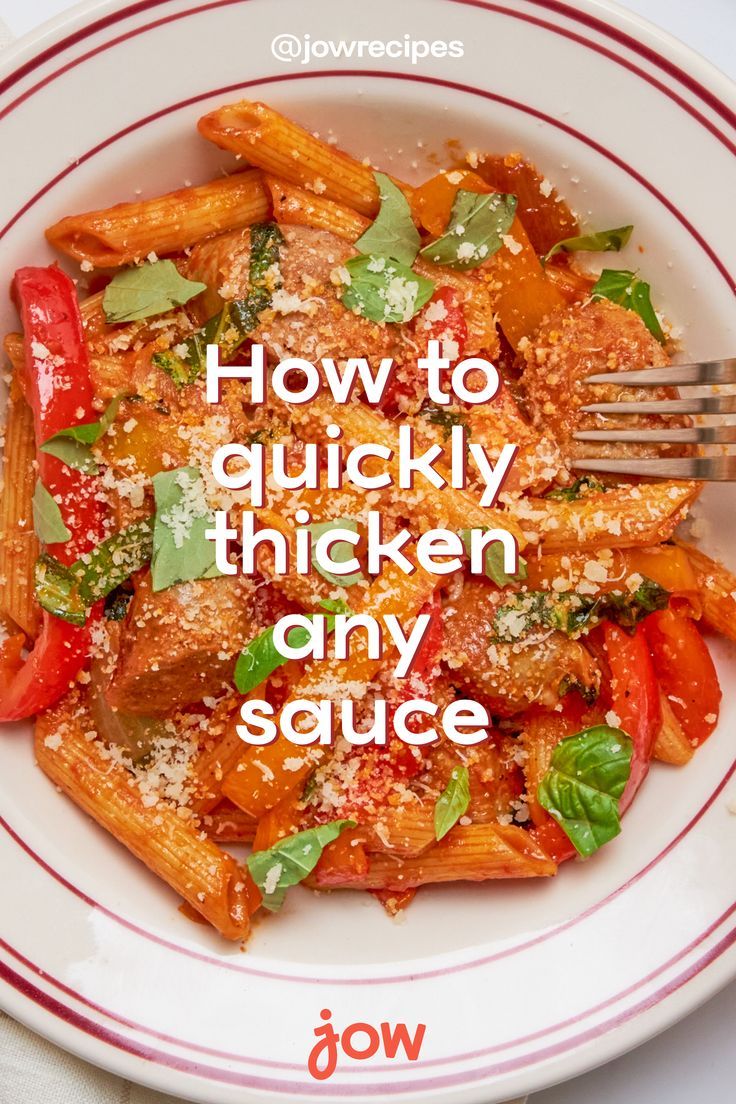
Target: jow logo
{"points": [[360, 1040]]}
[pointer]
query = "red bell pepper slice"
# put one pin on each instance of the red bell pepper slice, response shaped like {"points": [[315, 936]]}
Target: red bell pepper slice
{"points": [[450, 327], [553, 840], [685, 671], [634, 698], [59, 390]]}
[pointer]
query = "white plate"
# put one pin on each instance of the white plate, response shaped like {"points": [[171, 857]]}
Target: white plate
{"points": [[519, 985]]}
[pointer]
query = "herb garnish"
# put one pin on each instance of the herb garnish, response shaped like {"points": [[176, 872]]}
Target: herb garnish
{"points": [[47, 520], [68, 591], [452, 803], [260, 658], [493, 560], [392, 233], [340, 551], [384, 290], [601, 241], [72, 445], [586, 484], [574, 613], [625, 288], [477, 227], [146, 290], [586, 778], [290, 860], [180, 549]]}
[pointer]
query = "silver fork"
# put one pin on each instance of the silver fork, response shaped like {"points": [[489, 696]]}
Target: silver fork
{"points": [[716, 468]]}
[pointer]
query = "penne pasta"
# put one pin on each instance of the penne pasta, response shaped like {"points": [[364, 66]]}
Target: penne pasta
{"points": [[208, 879], [215, 760], [617, 569], [295, 206], [14, 349], [176, 662], [228, 824], [476, 853], [19, 545], [717, 591], [284, 149], [404, 830], [622, 517], [169, 223]]}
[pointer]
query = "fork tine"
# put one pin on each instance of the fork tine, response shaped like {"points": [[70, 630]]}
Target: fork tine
{"points": [[718, 404], [707, 468], [695, 435], [675, 375]]}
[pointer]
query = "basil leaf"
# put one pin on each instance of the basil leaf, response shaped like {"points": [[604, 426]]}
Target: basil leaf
{"points": [[443, 417], [47, 520], [290, 860], [180, 549], [72, 445], [493, 567], [581, 790], [57, 590], [228, 329], [340, 552], [67, 591], [181, 371], [475, 230], [146, 290], [452, 803], [238, 318], [602, 241], [384, 290], [392, 233], [586, 484], [625, 288], [574, 613], [260, 658], [265, 245], [627, 609]]}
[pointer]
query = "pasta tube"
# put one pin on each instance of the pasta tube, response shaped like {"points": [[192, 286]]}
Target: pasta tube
{"points": [[208, 879], [169, 223], [215, 760], [281, 147], [19, 546], [228, 824], [475, 853], [622, 517], [717, 591]]}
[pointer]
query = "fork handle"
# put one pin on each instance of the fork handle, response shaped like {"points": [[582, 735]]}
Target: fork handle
{"points": [[675, 375], [717, 469]]}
